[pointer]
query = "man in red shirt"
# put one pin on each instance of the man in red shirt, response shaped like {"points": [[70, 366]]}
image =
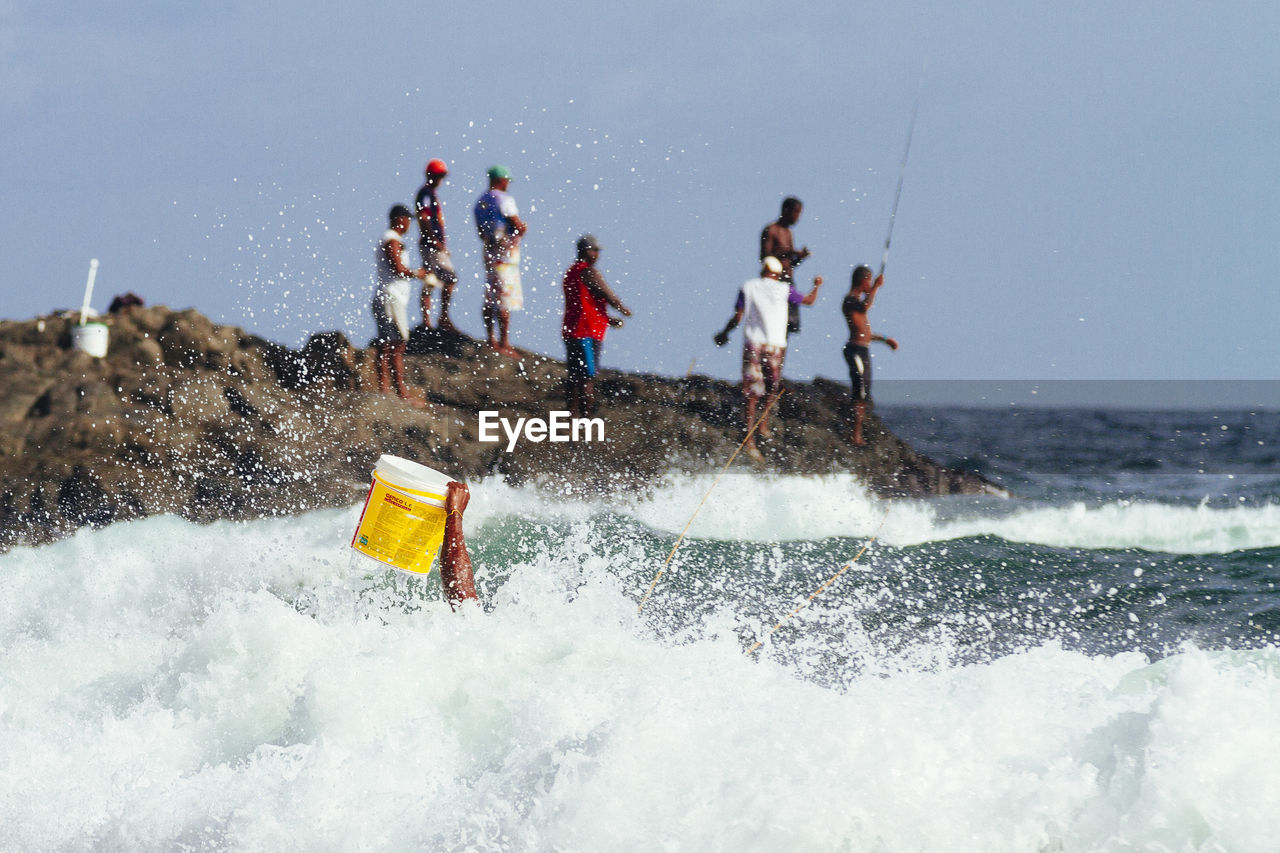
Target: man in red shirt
{"points": [[586, 319]]}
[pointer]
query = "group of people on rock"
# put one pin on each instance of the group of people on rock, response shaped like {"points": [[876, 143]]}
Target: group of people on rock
{"points": [[767, 307], [500, 229]]}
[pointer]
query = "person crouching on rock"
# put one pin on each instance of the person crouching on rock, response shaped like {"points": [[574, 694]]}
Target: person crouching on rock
{"points": [[391, 292], [455, 562], [857, 353], [586, 318], [762, 310]]}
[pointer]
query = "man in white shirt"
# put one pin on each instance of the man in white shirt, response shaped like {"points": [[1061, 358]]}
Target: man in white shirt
{"points": [[500, 228], [762, 310]]}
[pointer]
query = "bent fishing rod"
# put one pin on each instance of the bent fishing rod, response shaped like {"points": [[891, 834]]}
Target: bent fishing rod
{"points": [[902, 173]]}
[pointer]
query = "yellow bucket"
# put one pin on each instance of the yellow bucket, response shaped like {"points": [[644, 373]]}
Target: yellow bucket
{"points": [[402, 523]]}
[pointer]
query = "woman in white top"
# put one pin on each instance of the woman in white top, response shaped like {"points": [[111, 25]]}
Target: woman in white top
{"points": [[391, 291]]}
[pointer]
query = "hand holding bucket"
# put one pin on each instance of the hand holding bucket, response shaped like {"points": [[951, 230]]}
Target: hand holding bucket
{"points": [[403, 520]]}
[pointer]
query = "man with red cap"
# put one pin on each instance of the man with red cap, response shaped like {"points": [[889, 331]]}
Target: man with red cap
{"points": [[435, 254]]}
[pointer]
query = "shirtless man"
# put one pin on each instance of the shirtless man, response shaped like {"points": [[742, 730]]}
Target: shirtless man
{"points": [[862, 293], [777, 241]]}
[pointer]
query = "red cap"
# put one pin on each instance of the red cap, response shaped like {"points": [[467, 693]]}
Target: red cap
{"points": [[437, 167]]}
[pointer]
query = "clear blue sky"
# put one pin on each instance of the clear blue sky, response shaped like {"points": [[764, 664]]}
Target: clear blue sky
{"points": [[1093, 191]]}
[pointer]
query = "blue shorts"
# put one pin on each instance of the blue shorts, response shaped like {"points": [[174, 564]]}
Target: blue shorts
{"points": [[582, 358]]}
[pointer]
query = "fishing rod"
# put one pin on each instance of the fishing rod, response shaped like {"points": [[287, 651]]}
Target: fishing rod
{"points": [[902, 173], [698, 509]]}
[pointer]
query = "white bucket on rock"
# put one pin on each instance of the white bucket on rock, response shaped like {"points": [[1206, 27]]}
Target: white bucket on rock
{"points": [[90, 338]]}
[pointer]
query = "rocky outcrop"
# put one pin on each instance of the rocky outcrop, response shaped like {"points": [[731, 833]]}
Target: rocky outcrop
{"points": [[206, 421]]}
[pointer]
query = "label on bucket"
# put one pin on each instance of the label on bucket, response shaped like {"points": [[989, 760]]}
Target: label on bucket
{"points": [[399, 530]]}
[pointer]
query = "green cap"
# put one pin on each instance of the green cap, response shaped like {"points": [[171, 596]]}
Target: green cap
{"points": [[499, 173]]}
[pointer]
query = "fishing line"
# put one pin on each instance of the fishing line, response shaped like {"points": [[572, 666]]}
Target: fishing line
{"points": [[846, 567], [750, 433], [902, 173]]}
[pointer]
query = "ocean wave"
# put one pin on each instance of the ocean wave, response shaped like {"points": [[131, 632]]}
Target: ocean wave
{"points": [[248, 686], [743, 507]]}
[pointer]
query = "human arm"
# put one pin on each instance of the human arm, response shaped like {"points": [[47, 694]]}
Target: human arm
{"points": [[893, 344], [455, 562], [722, 337], [871, 294], [595, 283], [813, 294], [394, 251]]}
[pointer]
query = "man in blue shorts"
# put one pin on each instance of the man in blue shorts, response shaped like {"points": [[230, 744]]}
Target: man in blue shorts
{"points": [[586, 301]]}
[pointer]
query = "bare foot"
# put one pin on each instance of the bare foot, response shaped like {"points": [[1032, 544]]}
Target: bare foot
{"points": [[510, 351], [858, 441], [414, 398], [764, 432], [754, 452]]}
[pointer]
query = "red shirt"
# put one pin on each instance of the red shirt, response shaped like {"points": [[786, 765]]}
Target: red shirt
{"points": [[585, 312]]}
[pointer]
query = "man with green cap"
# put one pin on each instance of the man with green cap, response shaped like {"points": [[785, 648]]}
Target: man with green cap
{"points": [[500, 228]]}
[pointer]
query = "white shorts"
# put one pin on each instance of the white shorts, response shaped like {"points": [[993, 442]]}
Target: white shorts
{"points": [[391, 311]]}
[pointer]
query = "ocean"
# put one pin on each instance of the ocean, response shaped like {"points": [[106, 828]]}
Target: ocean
{"points": [[1091, 664]]}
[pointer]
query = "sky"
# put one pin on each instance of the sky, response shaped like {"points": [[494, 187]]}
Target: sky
{"points": [[1093, 189]]}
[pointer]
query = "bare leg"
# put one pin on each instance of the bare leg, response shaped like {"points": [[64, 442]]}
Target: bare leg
{"points": [[446, 295], [573, 398], [397, 375], [504, 327], [750, 445], [426, 306], [859, 411], [487, 313], [384, 366]]}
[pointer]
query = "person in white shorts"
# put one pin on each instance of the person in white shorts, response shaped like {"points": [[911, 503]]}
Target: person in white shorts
{"points": [[391, 291], [500, 228], [762, 310]]}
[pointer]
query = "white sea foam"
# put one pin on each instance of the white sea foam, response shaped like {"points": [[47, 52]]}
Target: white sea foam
{"points": [[744, 507], [165, 685]]}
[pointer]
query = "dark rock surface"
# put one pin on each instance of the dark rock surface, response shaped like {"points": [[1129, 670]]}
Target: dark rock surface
{"points": [[206, 421]]}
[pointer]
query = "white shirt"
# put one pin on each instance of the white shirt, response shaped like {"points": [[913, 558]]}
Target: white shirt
{"points": [[388, 275], [764, 312]]}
